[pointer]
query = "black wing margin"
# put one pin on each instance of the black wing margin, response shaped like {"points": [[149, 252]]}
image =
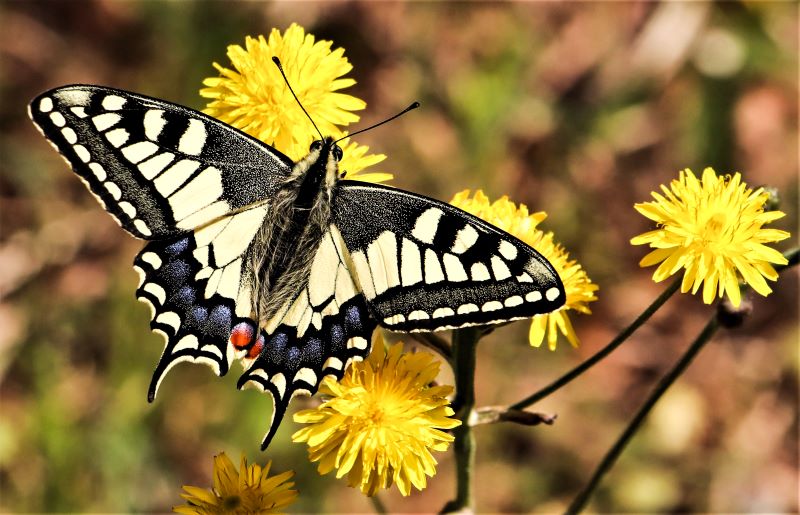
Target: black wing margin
{"points": [[159, 168], [424, 265]]}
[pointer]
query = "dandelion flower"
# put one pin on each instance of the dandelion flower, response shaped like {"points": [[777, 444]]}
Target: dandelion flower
{"points": [[517, 221], [253, 96], [712, 228], [381, 421], [243, 491], [502, 213], [355, 159]]}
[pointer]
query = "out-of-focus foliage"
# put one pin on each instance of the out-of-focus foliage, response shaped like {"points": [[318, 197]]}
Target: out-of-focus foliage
{"points": [[576, 109]]}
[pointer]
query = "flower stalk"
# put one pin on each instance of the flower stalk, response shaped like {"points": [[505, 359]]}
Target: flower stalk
{"points": [[697, 345], [602, 353], [614, 452], [465, 345]]}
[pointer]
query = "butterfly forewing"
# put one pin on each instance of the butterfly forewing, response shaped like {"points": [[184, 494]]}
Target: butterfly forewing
{"points": [[424, 265], [160, 169]]}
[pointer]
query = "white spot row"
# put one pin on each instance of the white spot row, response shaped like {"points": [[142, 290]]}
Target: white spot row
{"points": [[71, 137], [466, 309], [191, 142], [154, 165]]}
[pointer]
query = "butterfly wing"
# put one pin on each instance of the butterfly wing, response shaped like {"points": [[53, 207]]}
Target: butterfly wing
{"points": [[315, 334], [406, 262], [424, 265], [197, 187], [199, 298], [159, 168]]}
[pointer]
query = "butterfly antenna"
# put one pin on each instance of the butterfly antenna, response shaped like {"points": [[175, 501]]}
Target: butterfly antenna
{"points": [[278, 64], [401, 113]]}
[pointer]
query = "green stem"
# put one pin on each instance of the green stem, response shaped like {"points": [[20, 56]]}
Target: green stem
{"points": [[602, 353], [793, 258], [613, 453], [377, 504], [465, 343]]}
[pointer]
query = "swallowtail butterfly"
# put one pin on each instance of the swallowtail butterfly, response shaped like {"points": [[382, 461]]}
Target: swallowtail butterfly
{"points": [[285, 266]]}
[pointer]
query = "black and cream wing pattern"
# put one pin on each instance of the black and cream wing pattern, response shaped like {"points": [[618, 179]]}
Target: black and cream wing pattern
{"points": [[195, 187], [429, 266], [201, 191], [402, 261]]}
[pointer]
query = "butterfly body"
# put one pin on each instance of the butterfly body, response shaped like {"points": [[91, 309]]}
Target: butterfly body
{"points": [[285, 266], [298, 219]]}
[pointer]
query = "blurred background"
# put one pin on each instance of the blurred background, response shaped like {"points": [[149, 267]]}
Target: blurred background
{"points": [[577, 109]]}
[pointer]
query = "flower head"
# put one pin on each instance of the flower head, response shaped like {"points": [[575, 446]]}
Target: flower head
{"points": [[502, 213], [355, 159], [712, 228], [248, 490], [254, 98], [381, 421], [517, 221]]}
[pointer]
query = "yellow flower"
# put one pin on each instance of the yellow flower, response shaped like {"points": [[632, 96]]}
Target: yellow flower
{"points": [[254, 98], [516, 221], [502, 213], [712, 228], [580, 291], [381, 421], [248, 490], [354, 159]]}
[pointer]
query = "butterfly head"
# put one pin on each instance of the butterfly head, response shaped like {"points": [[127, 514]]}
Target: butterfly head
{"points": [[327, 161], [318, 172], [327, 145]]}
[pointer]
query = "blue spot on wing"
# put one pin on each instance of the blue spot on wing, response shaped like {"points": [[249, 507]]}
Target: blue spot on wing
{"points": [[286, 353], [187, 311], [178, 247], [336, 338], [352, 319], [185, 297]]}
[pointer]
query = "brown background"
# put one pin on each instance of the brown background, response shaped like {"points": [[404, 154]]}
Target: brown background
{"points": [[576, 109]]}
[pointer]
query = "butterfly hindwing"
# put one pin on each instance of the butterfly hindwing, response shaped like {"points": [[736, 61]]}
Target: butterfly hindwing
{"points": [[159, 168], [196, 288], [424, 265], [316, 334]]}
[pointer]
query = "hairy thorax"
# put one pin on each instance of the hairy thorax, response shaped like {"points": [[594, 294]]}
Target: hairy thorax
{"points": [[283, 250]]}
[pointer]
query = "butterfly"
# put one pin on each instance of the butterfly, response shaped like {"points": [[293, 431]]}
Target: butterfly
{"points": [[287, 267]]}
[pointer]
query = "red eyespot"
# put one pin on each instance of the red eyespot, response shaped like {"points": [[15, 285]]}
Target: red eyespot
{"points": [[257, 347], [242, 335]]}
